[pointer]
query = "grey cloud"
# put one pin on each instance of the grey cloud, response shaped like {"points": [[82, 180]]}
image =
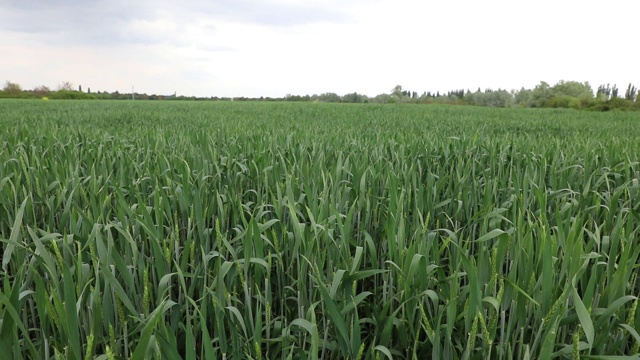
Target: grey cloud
{"points": [[82, 22], [72, 21]]}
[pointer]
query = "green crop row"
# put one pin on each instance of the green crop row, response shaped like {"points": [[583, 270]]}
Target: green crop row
{"points": [[322, 231]]}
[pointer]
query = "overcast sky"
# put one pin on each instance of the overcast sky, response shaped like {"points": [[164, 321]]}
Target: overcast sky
{"points": [[275, 47]]}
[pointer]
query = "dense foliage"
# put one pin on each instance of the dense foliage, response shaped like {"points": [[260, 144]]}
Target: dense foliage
{"points": [[287, 230], [564, 94]]}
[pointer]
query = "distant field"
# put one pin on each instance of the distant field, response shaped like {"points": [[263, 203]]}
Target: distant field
{"points": [[324, 231]]}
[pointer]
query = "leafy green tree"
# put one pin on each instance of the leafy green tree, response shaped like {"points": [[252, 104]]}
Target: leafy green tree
{"points": [[491, 98], [500, 98], [355, 98], [541, 94], [524, 97], [614, 92], [603, 93], [630, 94], [329, 97], [384, 99], [573, 89], [570, 94], [397, 92]]}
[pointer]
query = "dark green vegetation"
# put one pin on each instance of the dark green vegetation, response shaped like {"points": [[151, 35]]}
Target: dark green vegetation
{"points": [[274, 231], [565, 94]]}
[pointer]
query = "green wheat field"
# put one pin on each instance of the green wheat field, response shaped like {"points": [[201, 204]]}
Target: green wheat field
{"points": [[226, 230]]}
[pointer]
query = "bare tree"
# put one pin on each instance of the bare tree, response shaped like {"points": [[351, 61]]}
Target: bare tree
{"points": [[41, 91], [12, 88], [67, 85]]}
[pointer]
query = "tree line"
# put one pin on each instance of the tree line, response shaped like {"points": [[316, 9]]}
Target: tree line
{"points": [[564, 94]]}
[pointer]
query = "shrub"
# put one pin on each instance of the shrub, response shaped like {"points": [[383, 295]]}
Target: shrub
{"points": [[71, 95], [619, 104]]}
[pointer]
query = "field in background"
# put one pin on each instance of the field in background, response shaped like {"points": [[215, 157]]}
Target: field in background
{"points": [[330, 231]]}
